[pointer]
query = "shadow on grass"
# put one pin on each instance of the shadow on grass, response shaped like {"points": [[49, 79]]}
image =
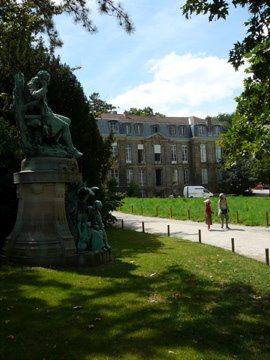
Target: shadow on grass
{"points": [[124, 311]]}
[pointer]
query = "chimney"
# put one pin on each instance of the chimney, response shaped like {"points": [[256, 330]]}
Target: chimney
{"points": [[208, 120]]}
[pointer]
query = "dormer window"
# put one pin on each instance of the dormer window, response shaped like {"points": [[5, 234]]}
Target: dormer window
{"points": [[138, 129], [182, 130], [113, 125], [201, 130], [155, 128], [216, 130], [127, 129], [172, 130]]}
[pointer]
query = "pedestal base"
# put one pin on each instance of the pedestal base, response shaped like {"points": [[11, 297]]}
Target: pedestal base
{"points": [[41, 235]]}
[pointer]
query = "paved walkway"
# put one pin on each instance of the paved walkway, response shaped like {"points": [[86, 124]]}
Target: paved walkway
{"points": [[248, 241]]}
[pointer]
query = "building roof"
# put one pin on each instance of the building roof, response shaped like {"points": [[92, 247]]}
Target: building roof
{"points": [[192, 120]]}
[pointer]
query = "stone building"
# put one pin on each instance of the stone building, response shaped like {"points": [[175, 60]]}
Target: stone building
{"points": [[163, 154]]}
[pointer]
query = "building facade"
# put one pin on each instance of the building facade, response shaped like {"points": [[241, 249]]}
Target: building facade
{"points": [[161, 155]]}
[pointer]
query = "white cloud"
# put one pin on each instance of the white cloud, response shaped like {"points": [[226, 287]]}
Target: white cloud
{"points": [[184, 85]]}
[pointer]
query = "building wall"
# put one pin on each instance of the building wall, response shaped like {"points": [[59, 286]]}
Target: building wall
{"points": [[163, 174]]}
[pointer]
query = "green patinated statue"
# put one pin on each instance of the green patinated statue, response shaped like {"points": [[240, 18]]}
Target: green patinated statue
{"points": [[42, 132], [99, 236], [83, 228], [91, 233]]}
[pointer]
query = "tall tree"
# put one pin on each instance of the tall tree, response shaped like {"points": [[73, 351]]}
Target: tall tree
{"points": [[99, 106], [261, 171], [237, 178], [36, 17], [28, 25], [22, 25], [10, 158], [258, 23], [147, 111], [249, 136], [224, 118]]}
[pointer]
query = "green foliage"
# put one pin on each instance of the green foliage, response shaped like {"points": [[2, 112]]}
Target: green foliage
{"points": [[133, 189], [112, 200], [26, 22], [261, 171], [73, 103], [147, 111], [257, 23], [236, 179], [10, 158], [66, 97], [98, 106], [25, 28], [249, 136], [10, 153], [97, 158], [224, 119], [21, 27], [161, 299]]}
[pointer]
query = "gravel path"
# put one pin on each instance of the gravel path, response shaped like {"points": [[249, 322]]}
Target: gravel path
{"points": [[248, 241]]}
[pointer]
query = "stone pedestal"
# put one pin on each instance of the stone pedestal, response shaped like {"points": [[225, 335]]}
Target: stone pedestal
{"points": [[41, 235]]}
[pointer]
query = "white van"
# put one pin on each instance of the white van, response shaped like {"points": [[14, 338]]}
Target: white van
{"points": [[196, 191]]}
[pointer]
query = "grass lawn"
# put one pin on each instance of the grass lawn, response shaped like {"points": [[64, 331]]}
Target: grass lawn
{"points": [[162, 298], [253, 211]]}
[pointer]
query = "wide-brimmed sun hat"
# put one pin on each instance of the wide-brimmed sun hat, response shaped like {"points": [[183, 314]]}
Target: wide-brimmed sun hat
{"points": [[206, 201]]}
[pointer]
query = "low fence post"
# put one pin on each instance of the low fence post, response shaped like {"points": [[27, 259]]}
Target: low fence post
{"points": [[122, 224], [200, 236], [143, 226], [232, 241], [168, 230], [267, 256]]}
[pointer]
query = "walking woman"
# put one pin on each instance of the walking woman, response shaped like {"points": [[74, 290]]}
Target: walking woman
{"points": [[208, 213], [223, 210]]}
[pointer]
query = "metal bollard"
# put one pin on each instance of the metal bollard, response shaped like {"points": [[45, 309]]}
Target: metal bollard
{"points": [[267, 256], [200, 236], [232, 241]]}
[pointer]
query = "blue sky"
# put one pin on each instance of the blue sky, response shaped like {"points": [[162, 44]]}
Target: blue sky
{"points": [[176, 66]]}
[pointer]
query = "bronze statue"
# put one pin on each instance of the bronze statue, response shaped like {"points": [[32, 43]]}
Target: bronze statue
{"points": [[43, 133]]}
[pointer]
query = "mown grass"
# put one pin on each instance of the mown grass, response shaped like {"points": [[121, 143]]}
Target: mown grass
{"points": [[253, 211], [162, 298]]}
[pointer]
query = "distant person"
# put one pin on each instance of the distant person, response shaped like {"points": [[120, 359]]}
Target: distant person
{"points": [[208, 213], [223, 210]]}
